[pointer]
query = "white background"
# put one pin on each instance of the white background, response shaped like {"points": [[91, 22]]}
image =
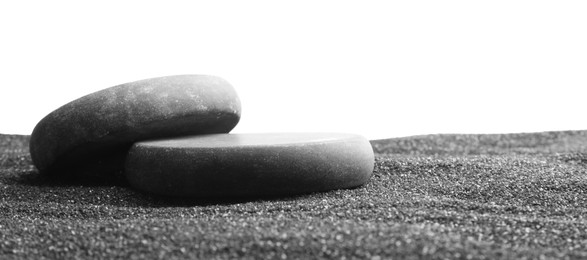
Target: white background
{"points": [[377, 68]]}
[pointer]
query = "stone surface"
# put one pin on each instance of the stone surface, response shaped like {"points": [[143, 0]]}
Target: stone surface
{"points": [[245, 165], [93, 133]]}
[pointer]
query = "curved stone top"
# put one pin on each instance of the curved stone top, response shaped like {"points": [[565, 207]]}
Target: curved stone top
{"points": [[245, 140], [146, 109]]}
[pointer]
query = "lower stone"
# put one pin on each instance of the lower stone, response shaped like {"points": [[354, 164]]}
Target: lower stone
{"points": [[245, 165]]}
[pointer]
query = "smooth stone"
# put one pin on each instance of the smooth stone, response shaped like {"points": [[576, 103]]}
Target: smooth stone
{"points": [[92, 135], [249, 165]]}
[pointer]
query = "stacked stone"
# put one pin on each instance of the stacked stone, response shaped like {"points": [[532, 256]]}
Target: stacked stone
{"points": [[169, 136]]}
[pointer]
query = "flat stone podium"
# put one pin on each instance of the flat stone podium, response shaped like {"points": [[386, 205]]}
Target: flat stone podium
{"points": [[245, 165]]}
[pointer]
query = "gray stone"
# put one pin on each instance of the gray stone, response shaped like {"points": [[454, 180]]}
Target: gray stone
{"points": [[93, 133], [249, 165]]}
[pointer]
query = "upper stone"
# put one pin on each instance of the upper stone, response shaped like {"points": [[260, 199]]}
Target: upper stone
{"points": [[109, 121]]}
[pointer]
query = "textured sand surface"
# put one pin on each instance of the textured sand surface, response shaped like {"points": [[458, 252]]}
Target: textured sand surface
{"points": [[439, 196]]}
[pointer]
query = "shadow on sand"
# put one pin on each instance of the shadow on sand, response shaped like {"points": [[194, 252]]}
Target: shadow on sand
{"points": [[118, 191]]}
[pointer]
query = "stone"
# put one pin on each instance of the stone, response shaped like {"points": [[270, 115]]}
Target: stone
{"points": [[249, 165], [93, 133]]}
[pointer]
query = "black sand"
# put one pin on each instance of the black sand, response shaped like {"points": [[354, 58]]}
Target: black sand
{"points": [[440, 196]]}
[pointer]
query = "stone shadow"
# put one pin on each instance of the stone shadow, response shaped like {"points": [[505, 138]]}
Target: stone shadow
{"points": [[100, 191]]}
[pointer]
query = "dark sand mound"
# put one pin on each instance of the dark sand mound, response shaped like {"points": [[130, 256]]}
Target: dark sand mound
{"points": [[437, 196]]}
